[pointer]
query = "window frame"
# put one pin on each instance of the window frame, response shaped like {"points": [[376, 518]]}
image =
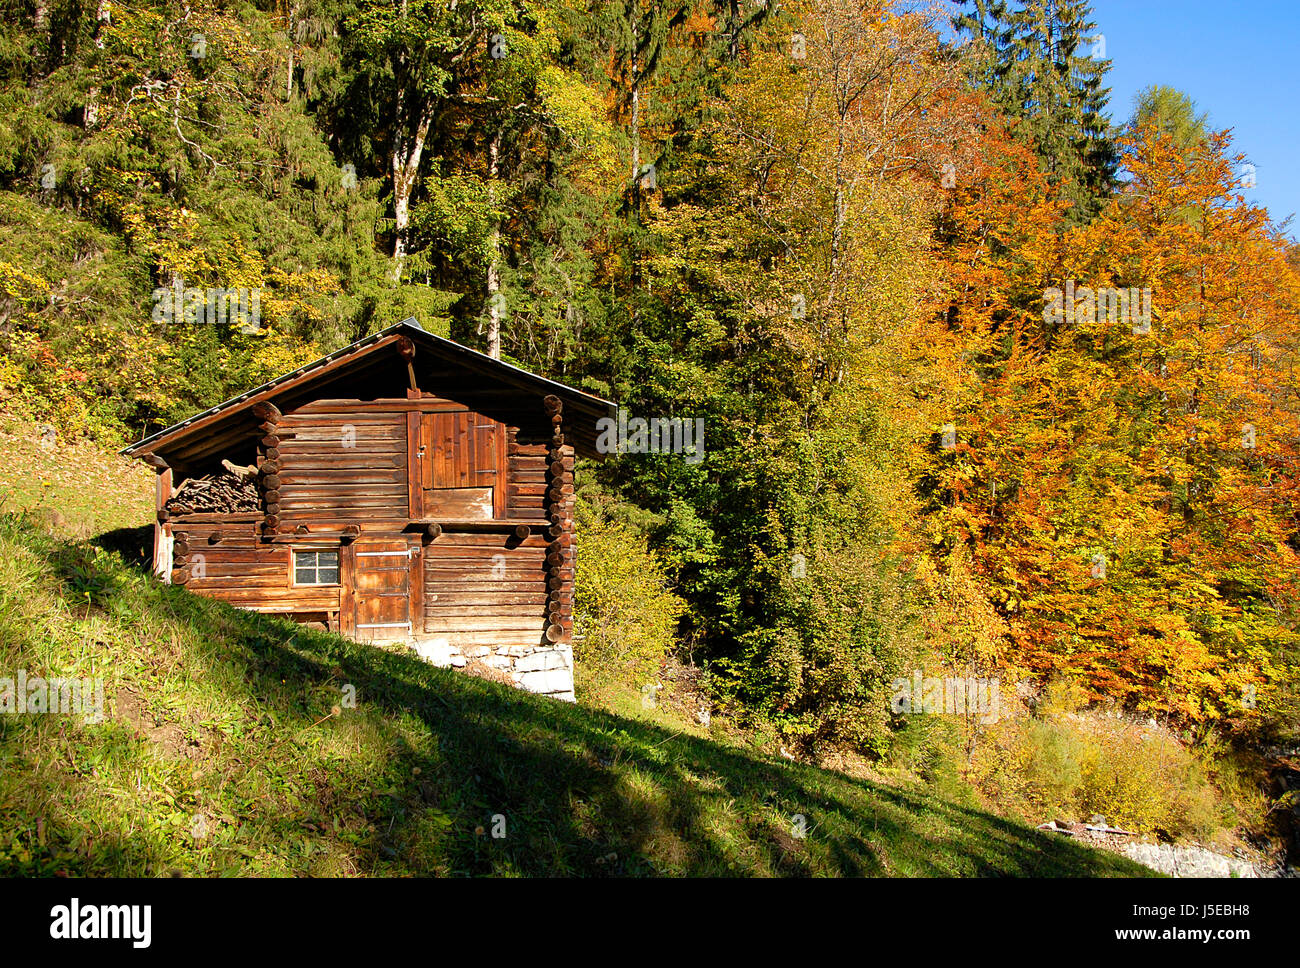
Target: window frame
{"points": [[315, 567]]}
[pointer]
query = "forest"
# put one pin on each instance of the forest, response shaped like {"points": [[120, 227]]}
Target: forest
{"points": [[994, 379]]}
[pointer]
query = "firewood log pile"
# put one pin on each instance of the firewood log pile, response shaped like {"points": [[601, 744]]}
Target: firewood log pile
{"points": [[211, 493]]}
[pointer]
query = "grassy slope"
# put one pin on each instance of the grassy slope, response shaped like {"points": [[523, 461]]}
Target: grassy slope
{"points": [[226, 716]]}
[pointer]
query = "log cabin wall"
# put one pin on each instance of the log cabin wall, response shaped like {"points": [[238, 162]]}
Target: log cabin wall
{"points": [[351, 477], [341, 463], [225, 557]]}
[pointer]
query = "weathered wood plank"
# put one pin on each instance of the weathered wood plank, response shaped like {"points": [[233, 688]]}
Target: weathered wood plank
{"points": [[442, 599], [415, 460]]}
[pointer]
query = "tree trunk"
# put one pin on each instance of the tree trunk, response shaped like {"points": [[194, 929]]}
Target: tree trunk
{"points": [[636, 108], [406, 165], [289, 29], [494, 255]]}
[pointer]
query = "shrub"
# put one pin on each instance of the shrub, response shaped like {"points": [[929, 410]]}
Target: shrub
{"points": [[625, 615], [1068, 763]]}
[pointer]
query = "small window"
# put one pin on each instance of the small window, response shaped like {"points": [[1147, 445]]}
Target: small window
{"points": [[315, 567]]}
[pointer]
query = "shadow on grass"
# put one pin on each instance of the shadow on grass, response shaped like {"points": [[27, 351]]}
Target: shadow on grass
{"points": [[574, 790]]}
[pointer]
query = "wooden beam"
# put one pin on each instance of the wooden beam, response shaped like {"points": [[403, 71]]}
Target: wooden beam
{"points": [[509, 525], [415, 458], [347, 590], [406, 350], [163, 493]]}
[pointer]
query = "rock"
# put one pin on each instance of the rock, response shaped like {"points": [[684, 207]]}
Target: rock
{"points": [[543, 660], [547, 681], [436, 651], [1188, 861]]}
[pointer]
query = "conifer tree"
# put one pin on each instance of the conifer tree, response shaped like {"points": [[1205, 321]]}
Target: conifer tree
{"points": [[1037, 62]]}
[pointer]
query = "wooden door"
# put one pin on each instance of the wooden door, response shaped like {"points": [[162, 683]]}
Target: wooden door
{"points": [[462, 465], [383, 588]]}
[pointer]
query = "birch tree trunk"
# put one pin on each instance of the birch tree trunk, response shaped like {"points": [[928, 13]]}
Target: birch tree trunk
{"points": [[636, 117], [494, 255], [406, 165]]}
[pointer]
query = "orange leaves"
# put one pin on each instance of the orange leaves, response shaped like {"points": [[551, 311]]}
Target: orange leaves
{"points": [[1169, 454]]}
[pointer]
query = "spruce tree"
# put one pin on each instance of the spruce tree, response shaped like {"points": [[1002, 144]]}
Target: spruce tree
{"points": [[1037, 63]]}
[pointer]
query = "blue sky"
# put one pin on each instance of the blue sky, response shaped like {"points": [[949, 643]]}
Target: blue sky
{"points": [[1238, 59]]}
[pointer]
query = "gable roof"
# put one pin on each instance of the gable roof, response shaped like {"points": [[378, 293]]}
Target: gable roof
{"points": [[581, 410]]}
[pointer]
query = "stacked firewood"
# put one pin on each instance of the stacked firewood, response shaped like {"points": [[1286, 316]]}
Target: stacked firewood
{"points": [[209, 493]]}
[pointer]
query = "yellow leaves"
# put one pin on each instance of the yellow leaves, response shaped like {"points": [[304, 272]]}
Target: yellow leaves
{"points": [[26, 287]]}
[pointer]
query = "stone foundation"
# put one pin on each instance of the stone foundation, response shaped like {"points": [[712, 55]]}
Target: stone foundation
{"points": [[544, 669]]}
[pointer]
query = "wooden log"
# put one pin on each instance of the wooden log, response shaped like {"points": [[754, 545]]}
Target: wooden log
{"points": [[554, 633], [180, 576], [156, 462], [405, 348], [271, 482], [271, 495], [301, 529], [552, 404], [181, 549], [267, 411], [555, 530], [432, 530], [556, 467], [522, 532], [270, 467], [352, 531], [162, 515], [272, 453], [271, 522], [271, 440], [215, 537], [268, 428]]}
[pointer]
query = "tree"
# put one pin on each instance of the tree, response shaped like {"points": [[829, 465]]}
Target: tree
{"points": [[1172, 113], [1044, 65]]}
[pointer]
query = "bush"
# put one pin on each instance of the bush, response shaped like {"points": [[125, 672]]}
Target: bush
{"points": [[1068, 763], [625, 615]]}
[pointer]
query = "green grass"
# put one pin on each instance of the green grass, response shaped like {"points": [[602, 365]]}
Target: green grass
{"points": [[226, 750], [91, 489]]}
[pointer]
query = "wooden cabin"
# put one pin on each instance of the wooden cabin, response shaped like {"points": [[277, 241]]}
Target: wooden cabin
{"points": [[405, 488]]}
